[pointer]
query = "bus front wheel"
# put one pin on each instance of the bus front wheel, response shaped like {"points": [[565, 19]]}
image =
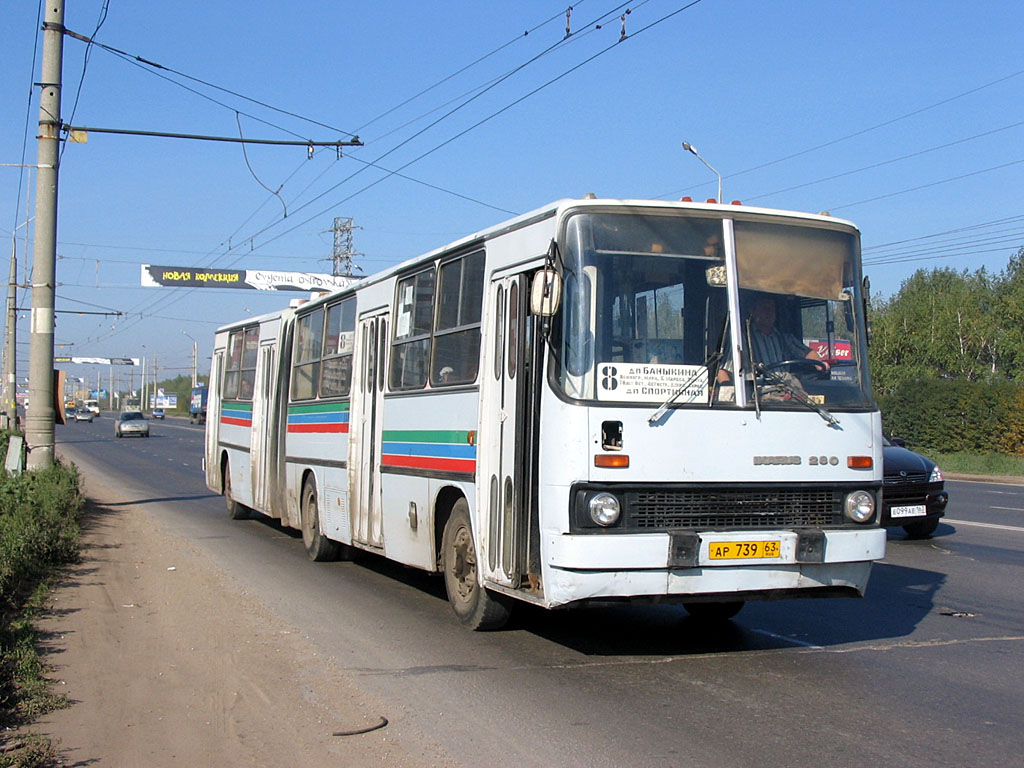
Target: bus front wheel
{"points": [[318, 547], [475, 607], [236, 511]]}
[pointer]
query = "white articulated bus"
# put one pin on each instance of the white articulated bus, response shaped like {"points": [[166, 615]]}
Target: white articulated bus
{"points": [[584, 403]]}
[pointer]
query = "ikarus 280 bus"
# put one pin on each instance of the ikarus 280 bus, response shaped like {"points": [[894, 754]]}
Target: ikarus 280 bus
{"points": [[584, 403]]}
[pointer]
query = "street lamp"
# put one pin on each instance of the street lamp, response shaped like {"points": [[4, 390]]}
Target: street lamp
{"points": [[195, 354], [693, 150]]}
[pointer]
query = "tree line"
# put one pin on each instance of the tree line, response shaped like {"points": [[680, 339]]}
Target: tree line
{"points": [[947, 359]]}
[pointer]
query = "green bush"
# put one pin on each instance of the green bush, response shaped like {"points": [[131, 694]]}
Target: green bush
{"points": [[955, 415], [39, 533]]}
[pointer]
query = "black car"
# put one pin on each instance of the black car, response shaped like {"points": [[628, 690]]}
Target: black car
{"points": [[913, 493]]}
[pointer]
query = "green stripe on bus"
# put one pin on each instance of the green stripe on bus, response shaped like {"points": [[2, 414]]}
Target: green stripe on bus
{"points": [[318, 408], [425, 436]]}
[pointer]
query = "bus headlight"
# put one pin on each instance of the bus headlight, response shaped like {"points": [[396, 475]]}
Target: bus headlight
{"points": [[604, 509], [860, 506]]}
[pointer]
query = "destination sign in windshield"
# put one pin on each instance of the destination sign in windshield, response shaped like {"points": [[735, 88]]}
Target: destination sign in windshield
{"points": [[651, 383]]}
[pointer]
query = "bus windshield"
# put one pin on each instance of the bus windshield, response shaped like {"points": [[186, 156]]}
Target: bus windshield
{"points": [[655, 308]]}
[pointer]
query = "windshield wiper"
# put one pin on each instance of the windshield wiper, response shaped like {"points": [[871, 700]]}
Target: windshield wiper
{"points": [[798, 395], [714, 358]]}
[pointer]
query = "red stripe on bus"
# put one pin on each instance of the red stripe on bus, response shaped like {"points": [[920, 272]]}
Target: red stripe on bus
{"points": [[236, 422], [318, 427], [428, 462]]}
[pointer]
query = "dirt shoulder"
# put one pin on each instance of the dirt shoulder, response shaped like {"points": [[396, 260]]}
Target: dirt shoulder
{"points": [[167, 662]]}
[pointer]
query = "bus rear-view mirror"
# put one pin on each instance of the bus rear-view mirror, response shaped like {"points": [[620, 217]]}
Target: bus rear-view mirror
{"points": [[545, 293]]}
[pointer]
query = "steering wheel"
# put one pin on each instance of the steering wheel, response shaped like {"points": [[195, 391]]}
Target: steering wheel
{"points": [[805, 365]]}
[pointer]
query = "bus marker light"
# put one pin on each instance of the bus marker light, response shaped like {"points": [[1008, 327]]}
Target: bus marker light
{"points": [[611, 461], [859, 462]]}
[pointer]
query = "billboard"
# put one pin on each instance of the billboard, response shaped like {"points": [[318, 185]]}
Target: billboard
{"points": [[155, 276]]}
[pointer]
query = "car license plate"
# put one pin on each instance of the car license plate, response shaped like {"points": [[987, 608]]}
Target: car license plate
{"points": [[743, 550], [912, 510]]}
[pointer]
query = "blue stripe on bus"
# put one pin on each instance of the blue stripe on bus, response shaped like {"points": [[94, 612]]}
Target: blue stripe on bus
{"points": [[336, 417], [446, 450]]}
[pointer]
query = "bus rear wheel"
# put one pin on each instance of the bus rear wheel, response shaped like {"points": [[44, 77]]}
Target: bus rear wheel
{"points": [[475, 607], [318, 547], [236, 511]]}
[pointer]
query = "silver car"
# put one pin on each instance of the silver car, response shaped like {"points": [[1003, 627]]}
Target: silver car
{"points": [[131, 423]]}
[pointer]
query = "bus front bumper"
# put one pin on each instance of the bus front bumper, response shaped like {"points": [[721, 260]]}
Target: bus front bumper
{"points": [[588, 567]]}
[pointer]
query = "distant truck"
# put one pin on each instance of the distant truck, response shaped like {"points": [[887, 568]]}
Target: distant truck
{"points": [[92, 406], [197, 406]]}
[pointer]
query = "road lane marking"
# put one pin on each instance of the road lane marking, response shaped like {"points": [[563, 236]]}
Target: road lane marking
{"points": [[788, 639], [1017, 528], [1011, 509], [912, 644]]}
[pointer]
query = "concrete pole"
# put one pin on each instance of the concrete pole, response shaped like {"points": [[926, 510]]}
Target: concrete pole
{"points": [[10, 388], [39, 429]]}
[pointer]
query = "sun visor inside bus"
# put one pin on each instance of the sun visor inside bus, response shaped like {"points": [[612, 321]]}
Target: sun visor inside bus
{"points": [[805, 265]]}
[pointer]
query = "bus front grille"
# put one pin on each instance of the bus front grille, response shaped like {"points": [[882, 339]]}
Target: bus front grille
{"points": [[722, 509]]}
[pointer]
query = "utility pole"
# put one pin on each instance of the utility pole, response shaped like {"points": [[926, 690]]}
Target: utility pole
{"points": [[343, 252], [39, 427], [195, 360], [10, 388]]}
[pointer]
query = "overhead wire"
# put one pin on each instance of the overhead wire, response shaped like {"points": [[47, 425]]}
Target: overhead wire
{"points": [[471, 127], [862, 131], [467, 67], [598, 20], [890, 161], [622, 38], [85, 65]]}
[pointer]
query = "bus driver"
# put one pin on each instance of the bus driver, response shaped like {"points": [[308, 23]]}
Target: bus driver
{"points": [[770, 345]]}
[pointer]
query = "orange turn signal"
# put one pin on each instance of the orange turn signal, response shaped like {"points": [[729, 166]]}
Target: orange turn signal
{"points": [[611, 460], [859, 462]]}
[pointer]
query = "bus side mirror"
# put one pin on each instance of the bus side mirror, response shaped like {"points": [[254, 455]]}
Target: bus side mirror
{"points": [[545, 293]]}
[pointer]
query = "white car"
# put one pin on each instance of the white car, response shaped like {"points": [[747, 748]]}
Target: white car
{"points": [[131, 423], [81, 414]]}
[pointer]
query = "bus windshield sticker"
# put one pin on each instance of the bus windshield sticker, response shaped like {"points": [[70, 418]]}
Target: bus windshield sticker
{"points": [[644, 382]]}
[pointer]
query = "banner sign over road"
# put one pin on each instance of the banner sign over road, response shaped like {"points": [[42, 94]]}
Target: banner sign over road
{"points": [[98, 360], [154, 276]]}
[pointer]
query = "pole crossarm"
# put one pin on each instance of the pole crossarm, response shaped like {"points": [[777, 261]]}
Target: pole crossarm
{"points": [[354, 142]]}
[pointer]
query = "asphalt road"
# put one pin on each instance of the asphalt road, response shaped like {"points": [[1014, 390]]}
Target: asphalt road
{"points": [[926, 670]]}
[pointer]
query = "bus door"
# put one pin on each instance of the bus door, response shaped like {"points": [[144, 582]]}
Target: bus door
{"points": [[372, 339], [264, 471], [503, 424], [213, 478]]}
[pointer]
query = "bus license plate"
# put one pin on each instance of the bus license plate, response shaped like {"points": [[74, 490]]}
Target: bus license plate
{"points": [[912, 510], [743, 550]]}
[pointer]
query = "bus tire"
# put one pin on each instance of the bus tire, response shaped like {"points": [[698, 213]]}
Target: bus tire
{"points": [[318, 547], [922, 529], [713, 611], [474, 606], [236, 511]]}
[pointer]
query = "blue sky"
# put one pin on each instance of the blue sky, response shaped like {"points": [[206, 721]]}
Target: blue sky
{"points": [[904, 117]]}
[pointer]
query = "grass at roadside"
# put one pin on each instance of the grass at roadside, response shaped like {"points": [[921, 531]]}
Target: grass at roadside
{"points": [[980, 463], [39, 533]]}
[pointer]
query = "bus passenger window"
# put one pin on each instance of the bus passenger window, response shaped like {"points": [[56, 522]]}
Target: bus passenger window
{"points": [[410, 351], [306, 357], [456, 343]]}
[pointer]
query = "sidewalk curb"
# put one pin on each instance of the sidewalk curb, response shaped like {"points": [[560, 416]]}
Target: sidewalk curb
{"points": [[1004, 479]]}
